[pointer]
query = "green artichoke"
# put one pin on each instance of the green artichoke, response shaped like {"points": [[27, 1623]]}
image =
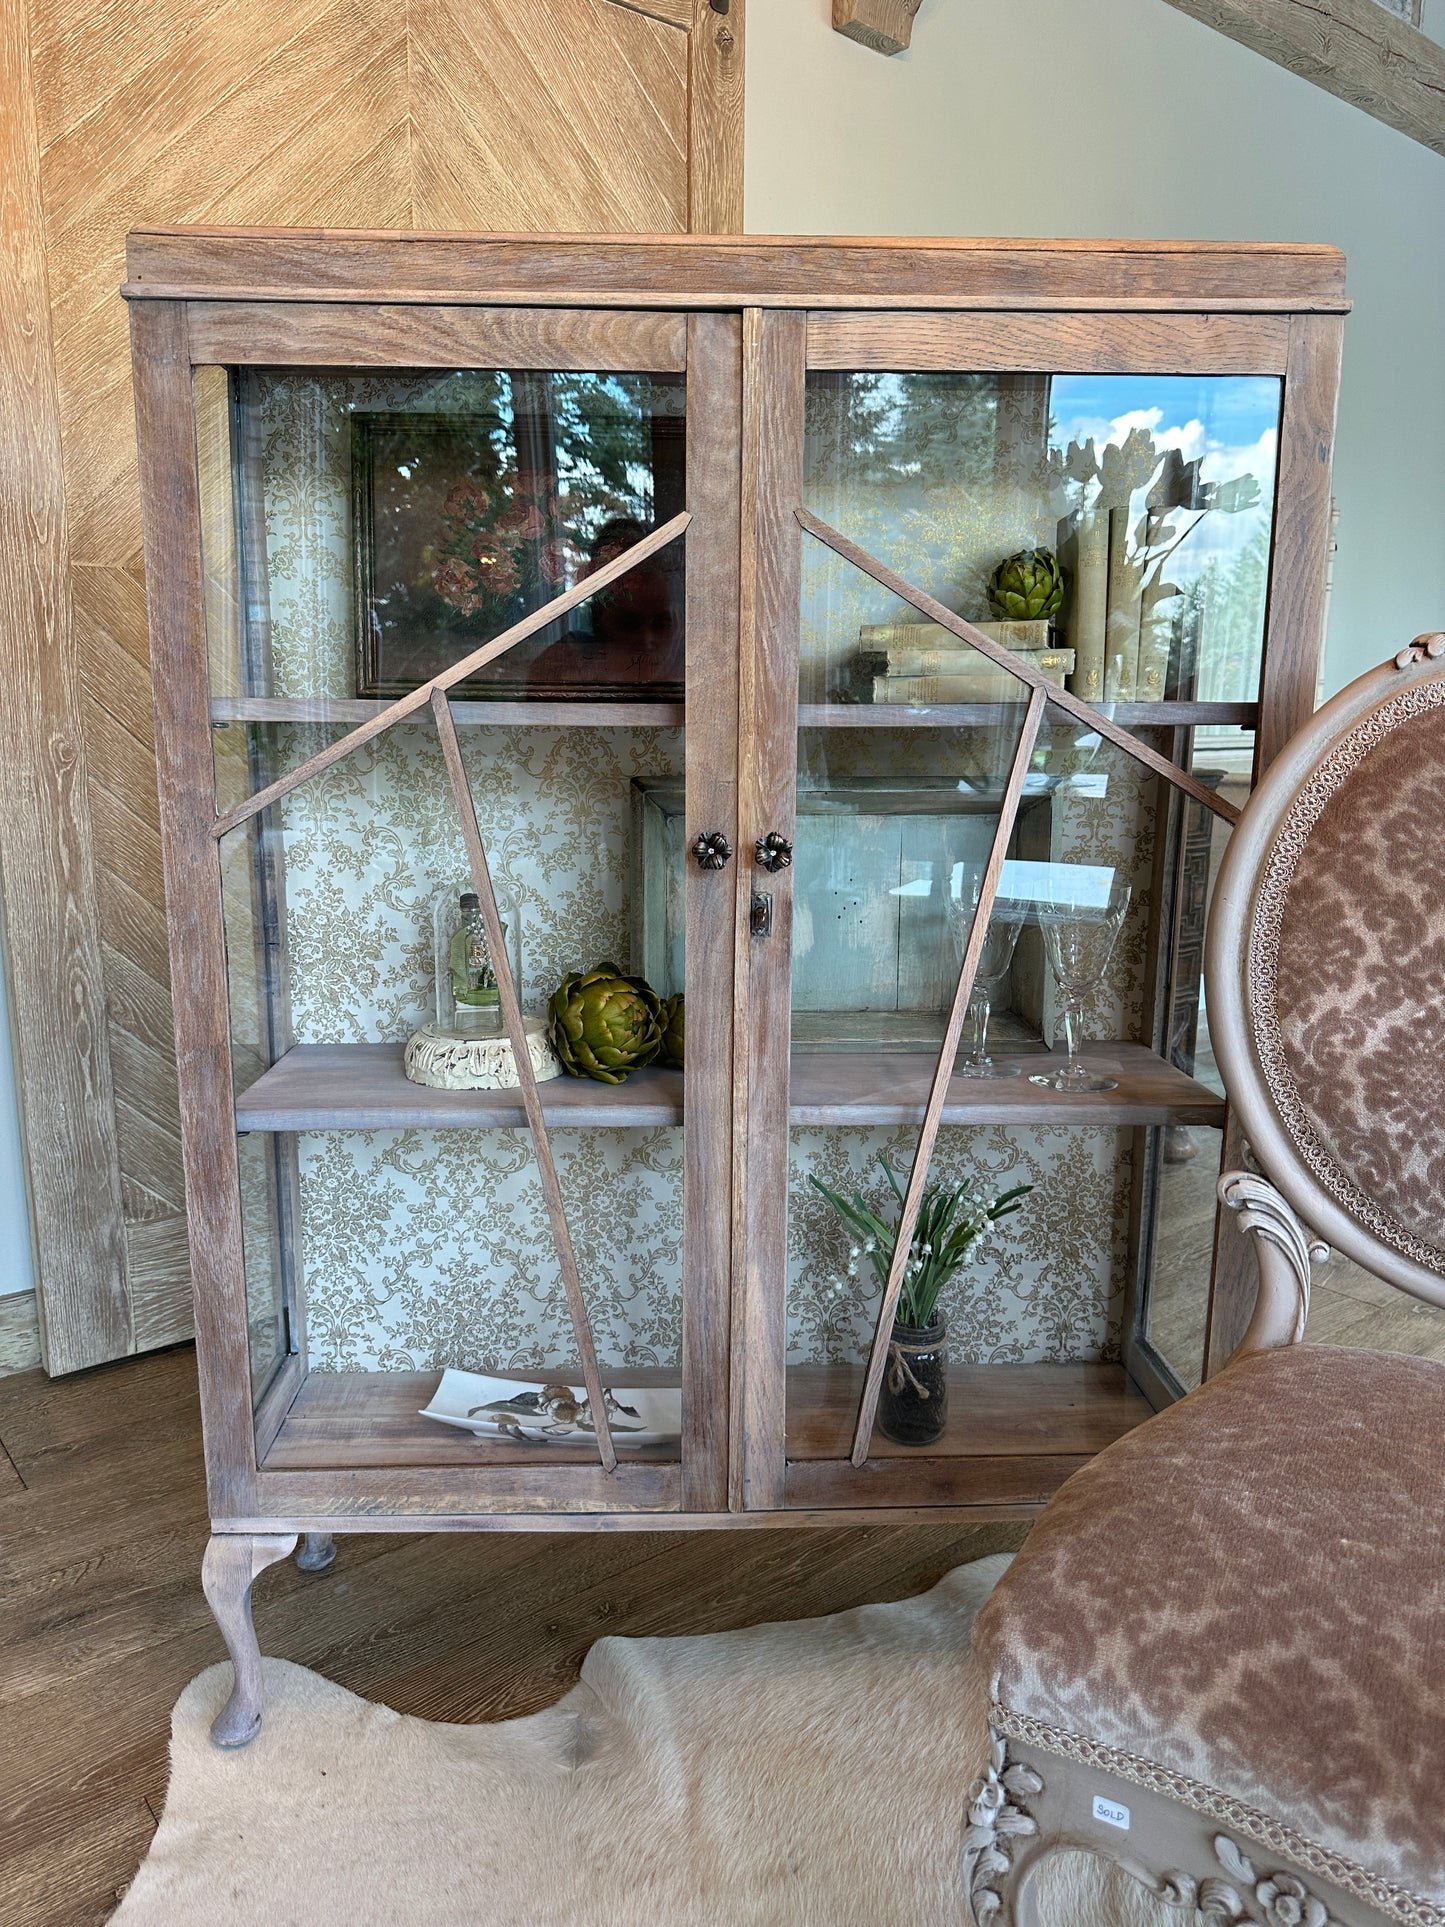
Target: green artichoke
{"points": [[672, 1031], [1027, 586], [604, 1025]]}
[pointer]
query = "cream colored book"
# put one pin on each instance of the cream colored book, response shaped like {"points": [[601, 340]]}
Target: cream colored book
{"points": [[908, 643], [986, 682], [1084, 550]]}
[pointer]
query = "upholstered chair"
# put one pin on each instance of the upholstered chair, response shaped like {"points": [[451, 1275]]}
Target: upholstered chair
{"points": [[1219, 1660]]}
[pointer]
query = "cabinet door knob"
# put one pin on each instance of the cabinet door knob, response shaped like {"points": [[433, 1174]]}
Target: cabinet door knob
{"points": [[712, 849], [773, 852]]}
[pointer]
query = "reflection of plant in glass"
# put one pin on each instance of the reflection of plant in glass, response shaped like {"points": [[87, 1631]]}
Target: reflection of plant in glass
{"points": [[1175, 486], [565, 454], [494, 544], [950, 1219]]}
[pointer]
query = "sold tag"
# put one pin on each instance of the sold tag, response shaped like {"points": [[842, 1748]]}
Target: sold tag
{"points": [[1111, 1813]]}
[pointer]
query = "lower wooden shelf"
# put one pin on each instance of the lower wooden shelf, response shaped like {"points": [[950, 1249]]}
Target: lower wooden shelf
{"points": [[1014, 1434], [993, 1411], [355, 1087], [350, 1420], [1013, 1430]]}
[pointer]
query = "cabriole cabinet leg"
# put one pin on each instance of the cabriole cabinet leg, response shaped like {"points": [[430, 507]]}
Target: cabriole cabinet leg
{"points": [[232, 1561], [318, 1549]]}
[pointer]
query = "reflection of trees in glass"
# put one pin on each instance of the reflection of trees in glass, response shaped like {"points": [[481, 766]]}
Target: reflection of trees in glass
{"points": [[886, 431], [566, 453], [1136, 504], [1218, 623]]}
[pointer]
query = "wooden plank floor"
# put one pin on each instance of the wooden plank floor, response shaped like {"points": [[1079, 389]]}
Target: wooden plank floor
{"points": [[102, 1526]]}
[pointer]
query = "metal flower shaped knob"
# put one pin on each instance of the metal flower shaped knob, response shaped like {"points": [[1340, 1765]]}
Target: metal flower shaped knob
{"points": [[712, 849], [773, 852]]}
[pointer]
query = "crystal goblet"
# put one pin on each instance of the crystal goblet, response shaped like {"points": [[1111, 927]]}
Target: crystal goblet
{"points": [[1080, 926], [993, 967]]}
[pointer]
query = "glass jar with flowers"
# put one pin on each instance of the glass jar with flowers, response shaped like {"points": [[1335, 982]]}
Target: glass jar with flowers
{"points": [[913, 1401]]}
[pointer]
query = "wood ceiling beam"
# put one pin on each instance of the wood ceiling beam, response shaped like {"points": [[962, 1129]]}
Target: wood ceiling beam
{"points": [[885, 26], [1354, 49]]}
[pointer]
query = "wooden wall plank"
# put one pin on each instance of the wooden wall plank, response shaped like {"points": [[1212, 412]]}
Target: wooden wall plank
{"points": [[159, 1265], [134, 927], [137, 1001], [715, 119], [55, 972], [598, 143], [128, 846]]}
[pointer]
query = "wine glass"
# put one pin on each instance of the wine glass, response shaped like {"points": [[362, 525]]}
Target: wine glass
{"points": [[965, 883], [1080, 921]]}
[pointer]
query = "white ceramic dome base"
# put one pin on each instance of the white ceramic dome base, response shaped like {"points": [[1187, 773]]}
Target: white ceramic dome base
{"points": [[456, 1060]]}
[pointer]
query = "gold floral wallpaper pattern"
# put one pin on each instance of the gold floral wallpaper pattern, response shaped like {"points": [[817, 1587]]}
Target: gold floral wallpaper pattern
{"points": [[425, 1249]]}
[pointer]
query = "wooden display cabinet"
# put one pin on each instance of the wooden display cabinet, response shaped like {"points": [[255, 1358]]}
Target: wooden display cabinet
{"points": [[597, 469]]}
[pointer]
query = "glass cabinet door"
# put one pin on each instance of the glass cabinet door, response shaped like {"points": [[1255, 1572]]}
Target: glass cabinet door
{"points": [[426, 842], [1111, 530]]}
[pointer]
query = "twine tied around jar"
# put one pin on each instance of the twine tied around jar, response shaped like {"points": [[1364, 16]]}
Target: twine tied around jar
{"points": [[899, 1369]]}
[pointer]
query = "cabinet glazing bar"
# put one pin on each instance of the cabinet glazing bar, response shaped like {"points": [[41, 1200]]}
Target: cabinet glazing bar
{"points": [[507, 996], [1071, 705], [943, 1072], [418, 698]]}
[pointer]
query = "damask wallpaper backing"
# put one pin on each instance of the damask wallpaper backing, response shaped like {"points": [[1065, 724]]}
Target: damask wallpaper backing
{"points": [[425, 1249]]}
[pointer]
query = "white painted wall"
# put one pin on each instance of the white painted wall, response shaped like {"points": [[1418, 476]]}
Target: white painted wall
{"points": [[16, 1272], [1126, 118]]}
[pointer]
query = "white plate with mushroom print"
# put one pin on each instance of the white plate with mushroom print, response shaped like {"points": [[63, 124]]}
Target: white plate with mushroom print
{"points": [[553, 1413]]}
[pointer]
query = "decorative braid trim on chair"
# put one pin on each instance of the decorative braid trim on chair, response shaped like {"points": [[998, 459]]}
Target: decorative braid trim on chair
{"points": [[1263, 966], [1411, 1909]]}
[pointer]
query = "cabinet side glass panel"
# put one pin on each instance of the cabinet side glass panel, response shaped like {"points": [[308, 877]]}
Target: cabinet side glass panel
{"points": [[393, 1202]]}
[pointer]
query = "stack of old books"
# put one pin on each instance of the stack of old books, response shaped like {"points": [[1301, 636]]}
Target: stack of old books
{"points": [[917, 662]]}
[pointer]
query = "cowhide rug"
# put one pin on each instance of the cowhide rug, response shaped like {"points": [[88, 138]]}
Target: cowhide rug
{"points": [[809, 1774]]}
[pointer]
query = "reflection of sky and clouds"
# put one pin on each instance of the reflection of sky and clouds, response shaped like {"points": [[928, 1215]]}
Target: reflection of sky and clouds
{"points": [[1229, 423]]}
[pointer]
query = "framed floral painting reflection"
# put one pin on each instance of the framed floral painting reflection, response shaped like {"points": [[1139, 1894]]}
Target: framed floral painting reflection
{"points": [[464, 523]]}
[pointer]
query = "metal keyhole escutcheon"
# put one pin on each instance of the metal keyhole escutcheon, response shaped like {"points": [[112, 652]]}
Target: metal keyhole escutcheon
{"points": [[712, 849], [773, 852]]}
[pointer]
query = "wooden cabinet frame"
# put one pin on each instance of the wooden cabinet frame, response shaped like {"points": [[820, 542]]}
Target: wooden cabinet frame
{"points": [[747, 319]]}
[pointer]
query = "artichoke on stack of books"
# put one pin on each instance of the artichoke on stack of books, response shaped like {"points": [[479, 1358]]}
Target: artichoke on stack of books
{"points": [[604, 1025], [1027, 586], [673, 1022]]}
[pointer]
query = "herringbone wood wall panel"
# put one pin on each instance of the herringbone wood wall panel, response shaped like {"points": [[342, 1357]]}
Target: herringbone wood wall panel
{"points": [[483, 114]]}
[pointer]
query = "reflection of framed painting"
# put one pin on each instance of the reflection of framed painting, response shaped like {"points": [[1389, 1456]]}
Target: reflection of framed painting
{"points": [[460, 528]]}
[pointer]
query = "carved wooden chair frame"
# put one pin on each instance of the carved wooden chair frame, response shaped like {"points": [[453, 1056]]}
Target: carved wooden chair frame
{"points": [[1044, 1792]]}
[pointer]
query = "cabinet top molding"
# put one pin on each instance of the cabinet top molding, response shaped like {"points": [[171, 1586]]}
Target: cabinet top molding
{"points": [[715, 271]]}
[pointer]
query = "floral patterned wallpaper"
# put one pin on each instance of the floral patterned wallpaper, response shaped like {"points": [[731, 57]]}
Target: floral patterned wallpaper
{"points": [[425, 1249]]}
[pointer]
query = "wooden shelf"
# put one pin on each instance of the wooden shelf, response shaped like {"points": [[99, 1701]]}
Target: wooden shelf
{"points": [[361, 1419], [892, 1088], [354, 1420], [347, 711], [359, 1087], [958, 715], [362, 1087], [993, 1411]]}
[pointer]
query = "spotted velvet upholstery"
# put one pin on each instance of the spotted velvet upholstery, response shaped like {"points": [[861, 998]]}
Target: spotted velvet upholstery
{"points": [[1244, 1600], [1347, 973]]}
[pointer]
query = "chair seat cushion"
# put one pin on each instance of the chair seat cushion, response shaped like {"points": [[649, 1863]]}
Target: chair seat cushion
{"points": [[1242, 1603]]}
